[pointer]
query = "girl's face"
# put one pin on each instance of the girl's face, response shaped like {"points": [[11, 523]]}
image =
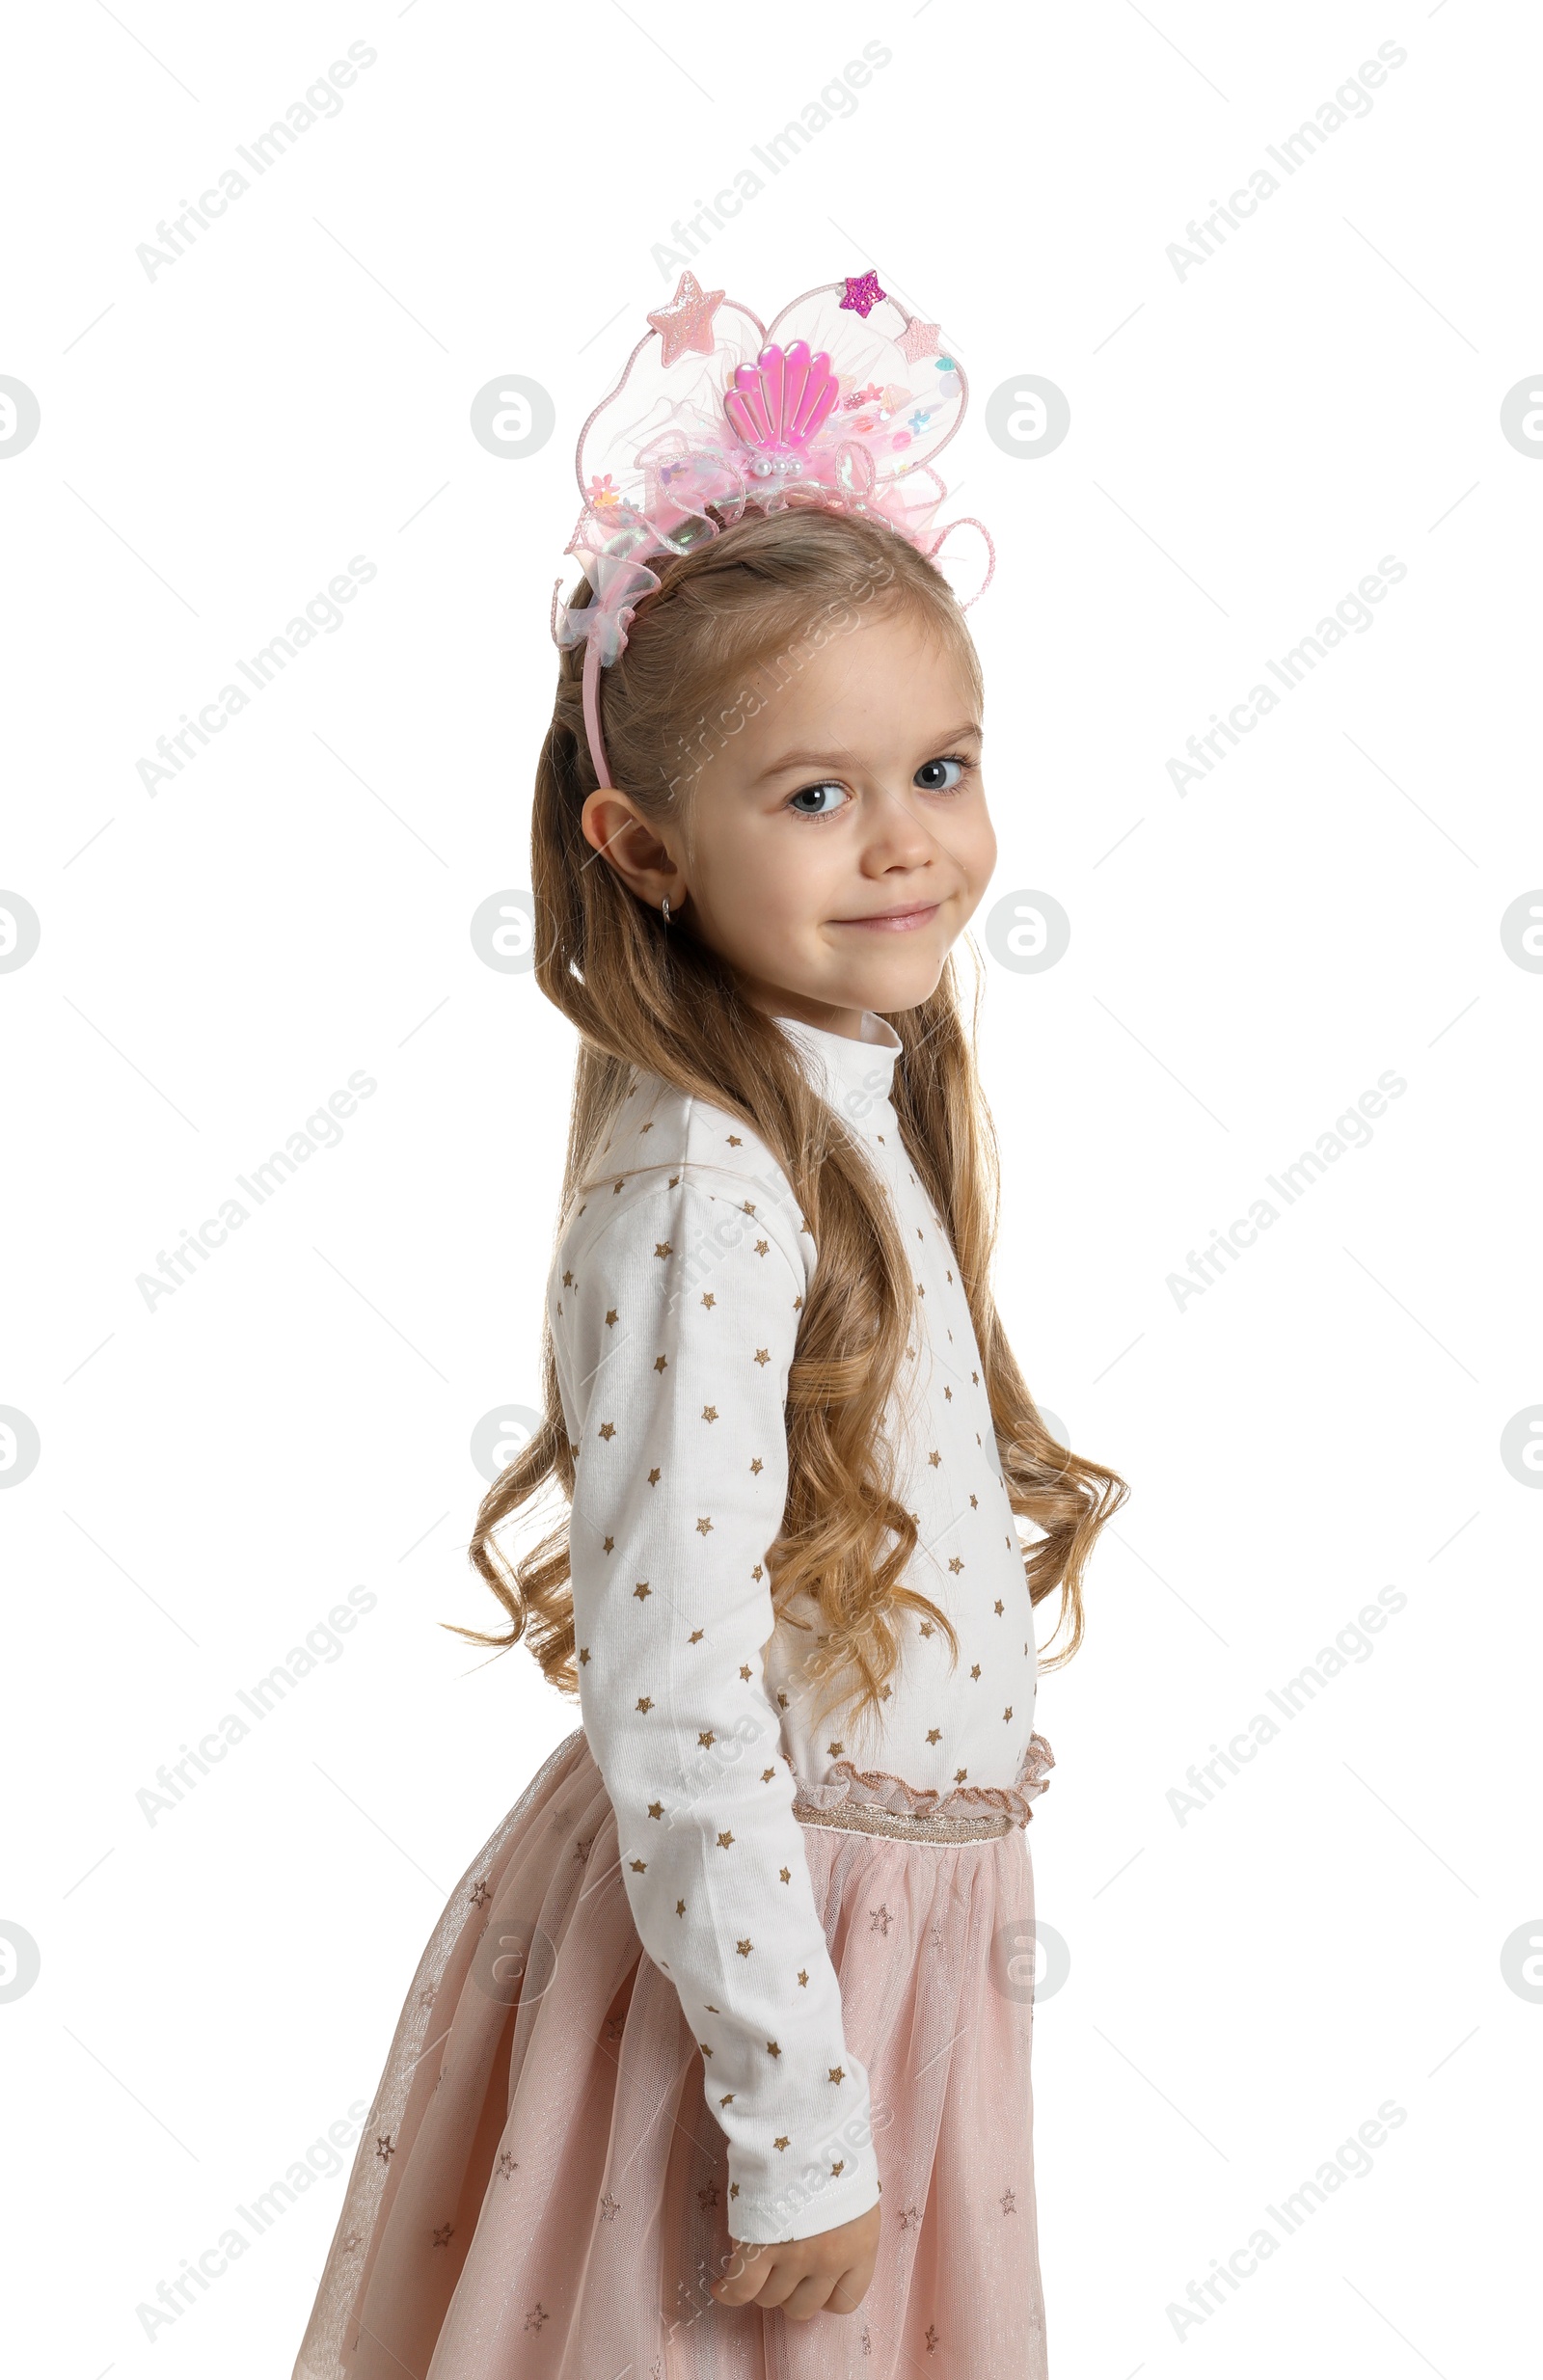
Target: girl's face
{"points": [[834, 848]]}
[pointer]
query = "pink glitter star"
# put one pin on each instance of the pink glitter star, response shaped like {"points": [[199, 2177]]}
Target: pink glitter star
{"points": [[686, 321], [918, 340], [863, 294]]}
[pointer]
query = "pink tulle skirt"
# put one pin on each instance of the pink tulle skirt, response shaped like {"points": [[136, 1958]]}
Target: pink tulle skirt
{"points": [[541, 2191]]}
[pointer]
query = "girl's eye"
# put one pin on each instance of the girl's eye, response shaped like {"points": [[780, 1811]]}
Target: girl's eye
{"points": [[930, 783], [810, 801]]}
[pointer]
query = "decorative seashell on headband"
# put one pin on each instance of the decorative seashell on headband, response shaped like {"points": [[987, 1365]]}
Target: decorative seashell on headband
{"points": [[827, 406], [777, 403]]}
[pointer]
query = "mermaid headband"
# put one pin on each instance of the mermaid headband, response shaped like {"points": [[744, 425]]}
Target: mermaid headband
{"points": [[843, 401]]}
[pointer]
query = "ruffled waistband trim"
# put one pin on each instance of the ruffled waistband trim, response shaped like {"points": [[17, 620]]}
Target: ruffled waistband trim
{"points": [[872, 1801]]}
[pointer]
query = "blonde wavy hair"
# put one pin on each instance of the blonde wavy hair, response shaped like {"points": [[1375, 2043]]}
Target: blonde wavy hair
{"points": [[742, 609]]}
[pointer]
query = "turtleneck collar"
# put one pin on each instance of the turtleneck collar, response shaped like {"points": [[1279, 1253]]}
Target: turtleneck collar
{"points": [[851, 1077]]}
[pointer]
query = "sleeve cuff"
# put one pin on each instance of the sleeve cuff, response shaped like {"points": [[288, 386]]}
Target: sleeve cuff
{"points": [[808, 2200]]}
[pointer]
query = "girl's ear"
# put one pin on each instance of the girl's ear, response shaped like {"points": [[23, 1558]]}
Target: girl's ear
{"points": [[619, 831]]}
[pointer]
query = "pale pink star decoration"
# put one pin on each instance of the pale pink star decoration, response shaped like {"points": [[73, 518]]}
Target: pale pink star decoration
{"points": [[863, 294], [686, 321], [918, 340]]}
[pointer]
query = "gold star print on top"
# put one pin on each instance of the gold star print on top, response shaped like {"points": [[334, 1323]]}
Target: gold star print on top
{"points": [[674, 1305]]}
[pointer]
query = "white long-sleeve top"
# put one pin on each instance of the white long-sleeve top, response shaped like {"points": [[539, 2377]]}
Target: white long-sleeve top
{"points": [[675, 1302]]}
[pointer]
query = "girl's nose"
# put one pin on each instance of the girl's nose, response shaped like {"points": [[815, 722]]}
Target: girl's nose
{"points": [[896, 835]]}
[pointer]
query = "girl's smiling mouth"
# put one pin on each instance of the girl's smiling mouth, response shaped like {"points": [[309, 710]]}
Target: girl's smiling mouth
{"points": [[895, 921]]}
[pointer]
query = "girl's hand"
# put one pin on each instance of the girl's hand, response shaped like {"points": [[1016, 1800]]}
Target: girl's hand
{"points": [[831, 2270]]}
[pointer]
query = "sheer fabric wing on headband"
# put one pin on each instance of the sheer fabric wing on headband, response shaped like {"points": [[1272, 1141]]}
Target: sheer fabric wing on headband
{"points": [[656, 418], [902, 392]]}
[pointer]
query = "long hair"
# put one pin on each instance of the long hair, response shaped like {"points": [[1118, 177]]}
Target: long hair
{"points": [[740, 610]]}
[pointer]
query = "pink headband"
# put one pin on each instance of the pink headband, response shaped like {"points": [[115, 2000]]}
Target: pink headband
{"points": [[825, 407]]}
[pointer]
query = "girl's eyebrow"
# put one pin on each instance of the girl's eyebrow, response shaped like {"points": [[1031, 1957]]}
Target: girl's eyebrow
{"points": [[824, 759]]}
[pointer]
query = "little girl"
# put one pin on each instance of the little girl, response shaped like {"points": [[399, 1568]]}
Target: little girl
{"points": [[726, 2031]]}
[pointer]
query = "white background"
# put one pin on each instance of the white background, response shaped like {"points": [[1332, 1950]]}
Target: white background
{"points": [[217, 441]]}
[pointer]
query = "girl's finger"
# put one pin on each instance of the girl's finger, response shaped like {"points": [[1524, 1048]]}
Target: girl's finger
{"points": [[748, 2270], [807, 2298], [846, 2295], [778, 2284]]}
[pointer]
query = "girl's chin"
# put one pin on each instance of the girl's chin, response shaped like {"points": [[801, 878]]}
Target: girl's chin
{"points": [[903, 984]]}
